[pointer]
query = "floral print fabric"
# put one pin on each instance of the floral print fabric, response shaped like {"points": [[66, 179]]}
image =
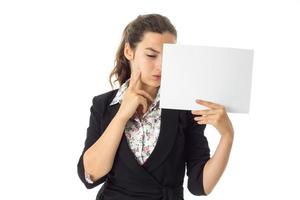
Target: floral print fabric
{"points": [[142, 134]]}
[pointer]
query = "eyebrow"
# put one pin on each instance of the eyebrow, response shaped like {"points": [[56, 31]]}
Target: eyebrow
{"points": [[151, 49]]}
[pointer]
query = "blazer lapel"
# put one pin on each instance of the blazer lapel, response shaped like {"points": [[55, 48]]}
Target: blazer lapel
{"points": [[166, 139], [124, 151], [165, 143]]}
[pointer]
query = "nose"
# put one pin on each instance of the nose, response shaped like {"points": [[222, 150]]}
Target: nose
{"points": [[158, 63]]}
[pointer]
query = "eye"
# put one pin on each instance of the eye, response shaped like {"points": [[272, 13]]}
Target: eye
{"points": [[151, 56]]}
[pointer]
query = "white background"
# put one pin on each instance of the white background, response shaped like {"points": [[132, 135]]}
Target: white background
{"points": [[56, 55]]}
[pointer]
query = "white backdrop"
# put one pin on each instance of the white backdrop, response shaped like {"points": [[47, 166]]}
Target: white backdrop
{"points": [[56, 55]]}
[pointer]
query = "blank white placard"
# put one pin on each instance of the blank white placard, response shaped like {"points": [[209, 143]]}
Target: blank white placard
{"points": [[217, 74]]}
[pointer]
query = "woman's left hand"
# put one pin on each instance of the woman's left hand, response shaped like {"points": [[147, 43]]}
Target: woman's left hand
{"points": [[215, 116]]}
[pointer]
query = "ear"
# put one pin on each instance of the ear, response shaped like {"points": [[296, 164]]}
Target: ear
{"points": [[128, 52]]}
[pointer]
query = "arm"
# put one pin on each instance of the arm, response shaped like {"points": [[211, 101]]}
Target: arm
{"points": [[216, 165], [100, 148], [98, 159], [217, 117], [197, 155]]}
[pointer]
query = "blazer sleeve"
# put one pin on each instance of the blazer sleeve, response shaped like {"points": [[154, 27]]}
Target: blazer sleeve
{"points": [[198, 153], [92, 135]]}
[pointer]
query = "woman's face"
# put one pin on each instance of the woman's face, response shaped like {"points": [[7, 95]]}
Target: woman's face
{"points": [[148, 56]]}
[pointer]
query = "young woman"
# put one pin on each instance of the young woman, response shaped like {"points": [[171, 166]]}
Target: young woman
{"points": [[137, 149]]}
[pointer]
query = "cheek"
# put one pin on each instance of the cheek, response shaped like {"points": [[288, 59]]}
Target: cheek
{"points": [[146, 67]]}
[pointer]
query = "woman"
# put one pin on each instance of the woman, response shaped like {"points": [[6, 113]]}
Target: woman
{"points": [[138, 150]]}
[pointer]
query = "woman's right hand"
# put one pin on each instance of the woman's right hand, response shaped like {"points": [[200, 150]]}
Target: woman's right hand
{"points": [[134, 98]]}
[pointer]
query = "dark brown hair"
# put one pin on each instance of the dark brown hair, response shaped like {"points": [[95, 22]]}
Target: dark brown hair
{"points": [[133, 34]]}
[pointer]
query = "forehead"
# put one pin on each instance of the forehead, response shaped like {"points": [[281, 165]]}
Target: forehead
{"points": [[156, 40]]}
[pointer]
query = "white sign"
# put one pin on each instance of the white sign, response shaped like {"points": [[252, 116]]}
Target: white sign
{"points": [[217, 74]]}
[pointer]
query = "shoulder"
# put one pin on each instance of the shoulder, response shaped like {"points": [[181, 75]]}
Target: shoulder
{"points": [[104, 99], [184, 115], [105, 96], [186, 120]]}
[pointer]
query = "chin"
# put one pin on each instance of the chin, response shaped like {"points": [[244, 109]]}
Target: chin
{"points": [[153, 83], [156, 85]]}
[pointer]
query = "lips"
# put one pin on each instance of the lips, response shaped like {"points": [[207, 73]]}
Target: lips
{"points": [[157, 77]]}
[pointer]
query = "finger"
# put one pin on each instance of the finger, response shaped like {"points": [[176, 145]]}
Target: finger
{"points": [[206, 120], [138, 83], [208, 103], [134, 79], [143, 102], [145, 94], [205, 117], [205, 112], [203, 121]]}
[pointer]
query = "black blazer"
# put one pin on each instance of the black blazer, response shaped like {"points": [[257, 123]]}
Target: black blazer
{"points": [[181, 143]]}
